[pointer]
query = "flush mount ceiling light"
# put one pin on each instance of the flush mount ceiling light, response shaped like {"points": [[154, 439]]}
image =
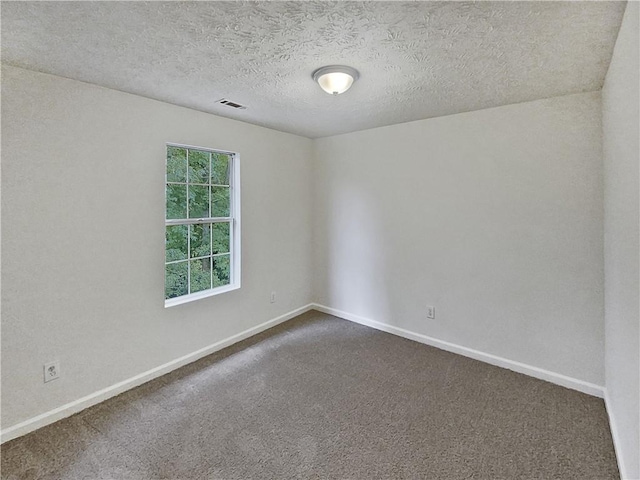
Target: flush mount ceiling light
{"points": [[335, 79]]}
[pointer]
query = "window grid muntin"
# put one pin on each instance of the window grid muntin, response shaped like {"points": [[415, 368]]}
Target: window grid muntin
{"points": [[200, 184], [231, 159], [210, 212]]}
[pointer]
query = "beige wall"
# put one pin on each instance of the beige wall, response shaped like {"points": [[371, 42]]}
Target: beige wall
{"points": [[621, 128], [83, 242], [494, 217]]}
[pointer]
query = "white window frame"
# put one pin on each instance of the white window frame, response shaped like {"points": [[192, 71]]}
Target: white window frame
{"points": [[234, 226]]}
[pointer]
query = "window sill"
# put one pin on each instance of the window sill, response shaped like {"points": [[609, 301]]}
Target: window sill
{"points": [[172, 302]]}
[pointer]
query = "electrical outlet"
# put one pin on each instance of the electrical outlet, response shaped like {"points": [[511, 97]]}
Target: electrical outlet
{"points": [[431, 312], [51, 371], [273, 297]]}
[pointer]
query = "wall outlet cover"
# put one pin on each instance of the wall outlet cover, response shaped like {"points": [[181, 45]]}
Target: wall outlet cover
{"points": [[51, 371]]}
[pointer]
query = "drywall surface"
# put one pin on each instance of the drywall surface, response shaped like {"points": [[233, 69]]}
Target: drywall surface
{"points": [[495, 217], [621, 128], [83, 236]]}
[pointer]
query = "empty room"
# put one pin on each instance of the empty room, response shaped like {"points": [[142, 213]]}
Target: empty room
{"points": [[313, 239]]}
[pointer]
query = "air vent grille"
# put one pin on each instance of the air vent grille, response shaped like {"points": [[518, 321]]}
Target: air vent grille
{"points": [[231, 104]]}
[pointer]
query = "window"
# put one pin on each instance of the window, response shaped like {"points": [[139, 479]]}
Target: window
{"points": [[202, 223]]}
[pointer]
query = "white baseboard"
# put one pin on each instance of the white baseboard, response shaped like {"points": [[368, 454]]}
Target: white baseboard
{"points": [[120, 387], [106, 393], [615, 435], [540, 373]]}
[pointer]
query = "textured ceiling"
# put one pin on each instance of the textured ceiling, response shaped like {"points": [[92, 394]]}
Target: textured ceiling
{"points": [[416, 59]]}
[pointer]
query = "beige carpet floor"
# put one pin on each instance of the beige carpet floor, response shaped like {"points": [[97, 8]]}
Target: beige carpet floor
{"points": [[320, 397]]}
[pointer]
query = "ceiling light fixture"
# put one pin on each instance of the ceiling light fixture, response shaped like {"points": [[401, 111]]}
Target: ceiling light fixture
{"points": [[335, 79]]}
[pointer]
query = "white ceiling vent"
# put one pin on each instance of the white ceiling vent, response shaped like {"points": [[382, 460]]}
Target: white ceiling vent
{"points": [[231, 104]]}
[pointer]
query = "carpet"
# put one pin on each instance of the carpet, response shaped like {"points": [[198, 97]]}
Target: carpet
{"points": [[320, 397]]}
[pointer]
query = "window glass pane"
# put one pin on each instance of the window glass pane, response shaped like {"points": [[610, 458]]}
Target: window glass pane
{"points": [[198, 186], [219, 201], [176, 201], [200, 240], [198, 201], [221, 270], [221, 237], [200, 274], [176, 164], [176, 243], [175, 280], [220, 169], [198, 166]]}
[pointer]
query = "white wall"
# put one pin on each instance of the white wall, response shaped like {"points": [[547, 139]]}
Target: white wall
{"points": [[621, 127], [83, 236], [494, 217]]}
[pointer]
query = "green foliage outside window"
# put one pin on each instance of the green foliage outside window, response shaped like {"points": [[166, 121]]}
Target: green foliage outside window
{"points": [[197, 255]]}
